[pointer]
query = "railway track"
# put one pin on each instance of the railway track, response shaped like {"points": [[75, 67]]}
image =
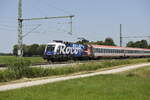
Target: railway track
{"points": [[3, 65], [46, 63], [58, 65], [62, 62]]}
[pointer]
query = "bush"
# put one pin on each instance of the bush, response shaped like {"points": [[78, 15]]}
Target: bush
{"points": [[7, 75], [20, 67], [37, 72], [148, 60]]}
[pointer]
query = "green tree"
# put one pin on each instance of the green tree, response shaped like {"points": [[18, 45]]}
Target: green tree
{"points": [[40, 50], [15, 50], [144, 44], [33, 49], [138, 44], [130, 44], [99, 43], [30, 50], [83, 41], [25, 50], [109, 41]]}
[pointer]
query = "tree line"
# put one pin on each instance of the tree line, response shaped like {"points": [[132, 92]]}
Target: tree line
{"points": [[107, 41], [30, 50], [138, 44], [38, 50]]}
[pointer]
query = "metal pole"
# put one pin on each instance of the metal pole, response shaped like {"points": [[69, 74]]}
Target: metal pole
{"points": [[71, 25], [120, 35], [20, 50]]}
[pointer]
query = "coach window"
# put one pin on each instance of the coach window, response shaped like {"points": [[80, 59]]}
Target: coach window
{"points": [[100, 50], [114, 51], [97, 50], [103, 50], [108, 50], [111, 50], [119, 51]]}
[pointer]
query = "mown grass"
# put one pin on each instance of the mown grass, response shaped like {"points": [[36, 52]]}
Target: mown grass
{"points": [[101, 87], [140, 72], [8, 59]]}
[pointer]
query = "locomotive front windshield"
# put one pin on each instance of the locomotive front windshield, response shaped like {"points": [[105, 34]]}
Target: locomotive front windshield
{"points": [[50, 48]]}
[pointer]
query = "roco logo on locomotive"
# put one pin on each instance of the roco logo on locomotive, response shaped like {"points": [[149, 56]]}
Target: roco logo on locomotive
{"points": [[69, 50]]}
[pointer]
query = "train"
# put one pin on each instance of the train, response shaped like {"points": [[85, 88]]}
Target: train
{"points": [[63, 51]]}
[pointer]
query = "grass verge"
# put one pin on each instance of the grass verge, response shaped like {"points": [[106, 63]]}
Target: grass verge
{"points": [[33, 60], [20, 68], [100, 87]]}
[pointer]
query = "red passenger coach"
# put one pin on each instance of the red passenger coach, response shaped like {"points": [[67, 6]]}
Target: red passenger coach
{"points": [[107, 51], [100, 51]]}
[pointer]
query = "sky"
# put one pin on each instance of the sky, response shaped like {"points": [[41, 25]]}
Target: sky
{"points": [[94, 20]]}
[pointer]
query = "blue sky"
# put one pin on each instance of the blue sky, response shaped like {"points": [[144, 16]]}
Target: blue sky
{"points": [[94, 20]]}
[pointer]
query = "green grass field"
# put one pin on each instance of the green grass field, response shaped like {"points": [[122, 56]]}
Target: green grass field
{"points": [[7, 59], [132, 85]]}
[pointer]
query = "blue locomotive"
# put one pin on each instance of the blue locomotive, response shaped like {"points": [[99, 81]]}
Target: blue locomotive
{"points": [[58, 51]]}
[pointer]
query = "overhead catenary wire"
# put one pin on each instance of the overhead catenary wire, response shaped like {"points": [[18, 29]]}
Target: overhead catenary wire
{"points": [[31, 30], [135, 36], [7, 26], [6, 29], [57, 8]]}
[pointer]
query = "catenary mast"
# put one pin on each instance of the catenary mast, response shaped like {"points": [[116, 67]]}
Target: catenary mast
{"points": [[20, 41], [20, 22]]}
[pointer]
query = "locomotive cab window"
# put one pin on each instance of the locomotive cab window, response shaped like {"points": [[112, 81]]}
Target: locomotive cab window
{"points": [[50, 48]]}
